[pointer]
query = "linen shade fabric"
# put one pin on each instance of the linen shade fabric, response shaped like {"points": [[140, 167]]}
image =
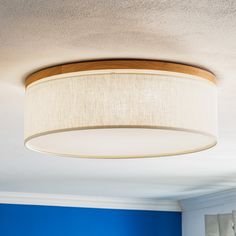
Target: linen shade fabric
{"points": [[121, 113]]}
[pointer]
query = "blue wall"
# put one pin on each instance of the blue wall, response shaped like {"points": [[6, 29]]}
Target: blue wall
{"points": [[28, 220]]}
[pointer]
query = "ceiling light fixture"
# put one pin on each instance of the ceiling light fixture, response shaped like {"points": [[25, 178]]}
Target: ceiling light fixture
{"points": [[120, 109]]}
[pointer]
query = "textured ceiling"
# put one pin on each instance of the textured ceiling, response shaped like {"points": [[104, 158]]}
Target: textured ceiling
{"points": [[35, 34]]}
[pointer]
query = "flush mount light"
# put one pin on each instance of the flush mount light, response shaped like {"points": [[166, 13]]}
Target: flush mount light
{"points": [[120, 109]]}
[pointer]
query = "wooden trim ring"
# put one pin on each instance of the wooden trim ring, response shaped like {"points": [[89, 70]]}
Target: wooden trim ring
{"points": [[120, 64]]}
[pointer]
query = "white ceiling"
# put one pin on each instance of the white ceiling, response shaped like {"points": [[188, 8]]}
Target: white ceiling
{"points": [[35, 34]]}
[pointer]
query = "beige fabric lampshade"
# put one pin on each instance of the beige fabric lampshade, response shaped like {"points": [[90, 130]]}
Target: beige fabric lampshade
{"points": [[120, 112]]}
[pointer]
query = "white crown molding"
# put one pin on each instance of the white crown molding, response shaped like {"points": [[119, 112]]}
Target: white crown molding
{"points": [[87, 201], [210, 200]]}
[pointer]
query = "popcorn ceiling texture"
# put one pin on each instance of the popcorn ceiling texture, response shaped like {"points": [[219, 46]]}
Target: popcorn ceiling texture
{"points": [[35, 34], [42, 33]]}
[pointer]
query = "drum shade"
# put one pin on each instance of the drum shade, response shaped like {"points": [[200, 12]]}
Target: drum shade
{"points": [[120, 109]]}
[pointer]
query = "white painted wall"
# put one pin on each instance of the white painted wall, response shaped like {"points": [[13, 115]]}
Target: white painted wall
{"points": [[194, 210]]}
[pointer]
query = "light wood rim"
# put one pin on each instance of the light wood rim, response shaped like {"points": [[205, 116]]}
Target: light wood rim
{"points": [[120, 64]]}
